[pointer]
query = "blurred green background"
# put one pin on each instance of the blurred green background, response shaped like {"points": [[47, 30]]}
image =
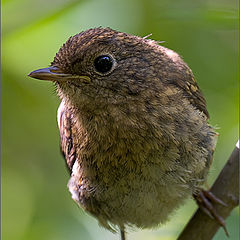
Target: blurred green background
{"points": [[35, 200]]}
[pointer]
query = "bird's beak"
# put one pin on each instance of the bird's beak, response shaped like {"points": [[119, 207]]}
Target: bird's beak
{"points": [[55, 74]]}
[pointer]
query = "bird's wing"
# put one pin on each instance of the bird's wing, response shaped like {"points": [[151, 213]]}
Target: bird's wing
{"points": [[195, 95], [64, 118], [191, 91]]}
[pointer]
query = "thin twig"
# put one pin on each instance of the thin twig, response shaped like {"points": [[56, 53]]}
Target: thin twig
{"points": [[226, 188]]}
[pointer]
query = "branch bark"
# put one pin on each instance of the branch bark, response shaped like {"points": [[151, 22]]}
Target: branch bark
{"points": [[226, 188]]}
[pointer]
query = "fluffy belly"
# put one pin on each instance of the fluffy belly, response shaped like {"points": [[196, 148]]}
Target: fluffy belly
{"points": [[134, 200]]}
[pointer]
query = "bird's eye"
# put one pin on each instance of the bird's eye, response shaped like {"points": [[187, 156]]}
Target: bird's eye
{"points": [[103, 64]]}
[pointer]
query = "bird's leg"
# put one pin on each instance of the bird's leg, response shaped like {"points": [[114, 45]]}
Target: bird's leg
{"points": [[123, 234], [204, 200]]}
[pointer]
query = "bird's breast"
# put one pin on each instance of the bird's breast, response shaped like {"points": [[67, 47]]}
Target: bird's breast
{"points": [[128, 171]]}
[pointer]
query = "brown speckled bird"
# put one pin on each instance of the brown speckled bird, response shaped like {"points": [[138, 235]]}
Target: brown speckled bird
{"points": [[133, 127]]}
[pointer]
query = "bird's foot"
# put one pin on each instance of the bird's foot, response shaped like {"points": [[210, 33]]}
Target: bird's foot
{"points": [[122, 234], [204, 200]]}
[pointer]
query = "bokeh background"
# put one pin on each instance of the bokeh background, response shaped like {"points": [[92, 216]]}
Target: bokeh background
{"points": [[35, 200]]}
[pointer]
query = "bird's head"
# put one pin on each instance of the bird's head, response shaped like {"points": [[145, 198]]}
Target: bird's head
{"points": [[101, 67]]}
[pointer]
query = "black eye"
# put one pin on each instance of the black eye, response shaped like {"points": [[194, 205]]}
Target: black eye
{"points": [[103, 64]]}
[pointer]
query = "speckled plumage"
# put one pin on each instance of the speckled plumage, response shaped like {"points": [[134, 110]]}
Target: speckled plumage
{"points": [[136, 140]]}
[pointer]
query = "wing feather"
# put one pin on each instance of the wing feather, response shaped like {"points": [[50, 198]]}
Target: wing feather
{"points": [[64, 118]]}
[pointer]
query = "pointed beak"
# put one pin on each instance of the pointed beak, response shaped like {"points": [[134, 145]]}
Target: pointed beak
{"points": [[55, 74]]}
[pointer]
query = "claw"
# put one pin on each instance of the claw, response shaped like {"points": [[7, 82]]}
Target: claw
{"points": [[204, 200], [212, 197]]}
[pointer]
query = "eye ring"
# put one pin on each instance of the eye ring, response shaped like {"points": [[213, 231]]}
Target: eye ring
{"points": [[104, 64]]}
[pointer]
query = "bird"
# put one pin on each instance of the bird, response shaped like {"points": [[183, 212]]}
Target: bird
{"points": [[133, 126]]}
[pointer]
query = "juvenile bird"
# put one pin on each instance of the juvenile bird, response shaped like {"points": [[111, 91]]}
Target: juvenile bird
{"points": [[133, 126]]}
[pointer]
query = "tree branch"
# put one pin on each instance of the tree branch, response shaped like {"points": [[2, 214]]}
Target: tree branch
{"points": [[226, 188]]}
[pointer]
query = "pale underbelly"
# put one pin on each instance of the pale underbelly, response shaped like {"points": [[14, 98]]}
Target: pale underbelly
{"points": [[136, 202]]}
